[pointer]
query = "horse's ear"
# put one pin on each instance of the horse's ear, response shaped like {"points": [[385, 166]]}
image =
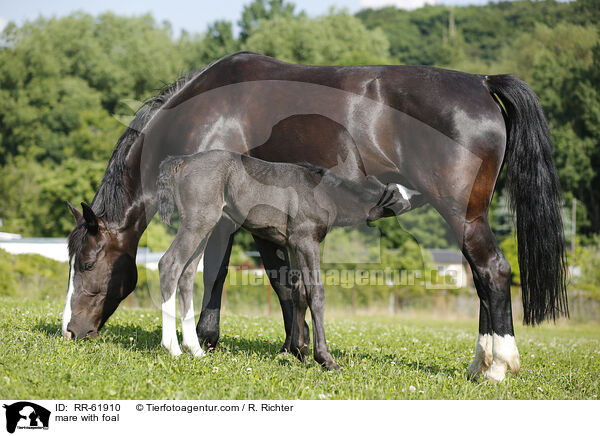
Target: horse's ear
{"points": [[76, 212], [91, 220]]}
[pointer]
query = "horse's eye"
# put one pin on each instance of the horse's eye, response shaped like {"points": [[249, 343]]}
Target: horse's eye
{"points": [[88, 265]]}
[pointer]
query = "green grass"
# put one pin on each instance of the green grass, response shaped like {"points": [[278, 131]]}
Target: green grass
{"points": [[382, 358]]}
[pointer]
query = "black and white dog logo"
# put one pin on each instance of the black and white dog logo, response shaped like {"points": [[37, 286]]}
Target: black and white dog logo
{"points": [[26, 415]]}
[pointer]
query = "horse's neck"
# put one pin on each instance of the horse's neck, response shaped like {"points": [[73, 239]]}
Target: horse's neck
{"points": [[138, 205]]}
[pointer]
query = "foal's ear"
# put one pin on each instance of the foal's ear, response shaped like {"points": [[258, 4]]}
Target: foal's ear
{"points": [[91, 220], [76, 212]]}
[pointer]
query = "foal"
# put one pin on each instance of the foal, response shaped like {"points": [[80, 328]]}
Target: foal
{"points": [[291, 205]]}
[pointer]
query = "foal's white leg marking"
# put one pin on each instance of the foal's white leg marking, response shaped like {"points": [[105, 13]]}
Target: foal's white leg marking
{"points": [[169, 332], [506, 357], [188, 327], [406, 193], [67, 312], [483, 356]]}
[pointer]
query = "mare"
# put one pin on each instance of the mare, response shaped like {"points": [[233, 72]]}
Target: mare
{"points": [[445, 134]]}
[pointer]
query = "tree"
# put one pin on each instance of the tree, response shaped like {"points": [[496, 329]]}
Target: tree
{"points": [[337, 38], [259, 10]]}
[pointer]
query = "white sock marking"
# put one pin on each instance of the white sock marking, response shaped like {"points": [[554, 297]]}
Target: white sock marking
{"points": [[406, 193], [483, 355], [188, 327], [67, 311], [506, 357], [169, 331]]}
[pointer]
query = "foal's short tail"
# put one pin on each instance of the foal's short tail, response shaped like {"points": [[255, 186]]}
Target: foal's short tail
{"points": [[535, 197], [166, 187]]}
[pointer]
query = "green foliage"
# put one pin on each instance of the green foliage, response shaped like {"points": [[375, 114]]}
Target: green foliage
{"points": [[337, 38], [158, 236], [510, 249], [35, 194], [31, 276], [588, 259], [259, 10], [63, 79]]}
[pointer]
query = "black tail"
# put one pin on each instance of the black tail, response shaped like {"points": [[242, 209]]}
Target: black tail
{"points": [[535, 198], [166, 187]]}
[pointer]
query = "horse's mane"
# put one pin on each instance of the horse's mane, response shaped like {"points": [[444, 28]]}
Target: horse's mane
{"points": [[368, 189], [113, 195]]}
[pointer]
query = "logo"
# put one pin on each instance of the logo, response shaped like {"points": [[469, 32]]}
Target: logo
{"points": [[26, 415]]}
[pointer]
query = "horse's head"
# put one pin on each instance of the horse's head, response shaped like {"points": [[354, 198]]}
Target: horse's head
{"points": [[391, 202], [102, 273]]}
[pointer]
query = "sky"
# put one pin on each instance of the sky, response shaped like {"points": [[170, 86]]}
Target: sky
{"points": [[193, 16]]}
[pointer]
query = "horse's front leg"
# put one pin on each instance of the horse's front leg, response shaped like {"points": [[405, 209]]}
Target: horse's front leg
{"points": [[186, 305], [216, 263], [171, 267], [306, 254]]}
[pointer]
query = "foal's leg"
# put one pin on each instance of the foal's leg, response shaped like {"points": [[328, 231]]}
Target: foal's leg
{"points": [[276, 262], [216, 263], [186, 305], [306, 256], [298, 337], [171, 267]]}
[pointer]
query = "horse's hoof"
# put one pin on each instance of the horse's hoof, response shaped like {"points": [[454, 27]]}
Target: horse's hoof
{"points": [[208, 329], [332, 366], [173, 351], [285, 348], [196, 351], [496, 372], [476, 369], [300, 352], [209, 340]]}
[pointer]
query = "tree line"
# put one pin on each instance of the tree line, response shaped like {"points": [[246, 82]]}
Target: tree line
{"points": [[69, 85]]}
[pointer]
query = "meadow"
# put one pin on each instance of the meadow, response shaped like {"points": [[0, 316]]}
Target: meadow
{"points": [[383, 357]]}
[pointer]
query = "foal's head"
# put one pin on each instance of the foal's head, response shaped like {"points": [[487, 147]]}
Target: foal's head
{"points": [[388, 200], [102, 274]]}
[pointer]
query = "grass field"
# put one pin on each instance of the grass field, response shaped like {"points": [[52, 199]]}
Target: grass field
{"points": [[383, 358]]}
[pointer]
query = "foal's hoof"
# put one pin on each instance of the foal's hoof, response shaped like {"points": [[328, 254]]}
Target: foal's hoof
{"points": [[196, 351], [174, 351], [300, 352], [287, 348]]}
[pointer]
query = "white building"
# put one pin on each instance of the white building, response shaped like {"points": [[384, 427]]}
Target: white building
{"points": [[57, 249]]}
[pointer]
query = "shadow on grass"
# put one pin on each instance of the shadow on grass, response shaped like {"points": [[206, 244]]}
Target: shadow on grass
{"points": [[128, 335], [245, 345], [123, 335]]}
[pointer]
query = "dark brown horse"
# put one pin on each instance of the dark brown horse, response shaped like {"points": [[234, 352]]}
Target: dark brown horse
{"points": [[442, 133]]}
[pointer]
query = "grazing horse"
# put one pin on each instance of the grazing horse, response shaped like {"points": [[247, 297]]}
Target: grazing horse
{"points": [[289, 205], [445, 134]]}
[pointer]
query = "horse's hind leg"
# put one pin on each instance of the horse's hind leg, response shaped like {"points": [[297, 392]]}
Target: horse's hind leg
{"points": [[483, 346], [492, 275], [186, 304], [276, 263]]}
